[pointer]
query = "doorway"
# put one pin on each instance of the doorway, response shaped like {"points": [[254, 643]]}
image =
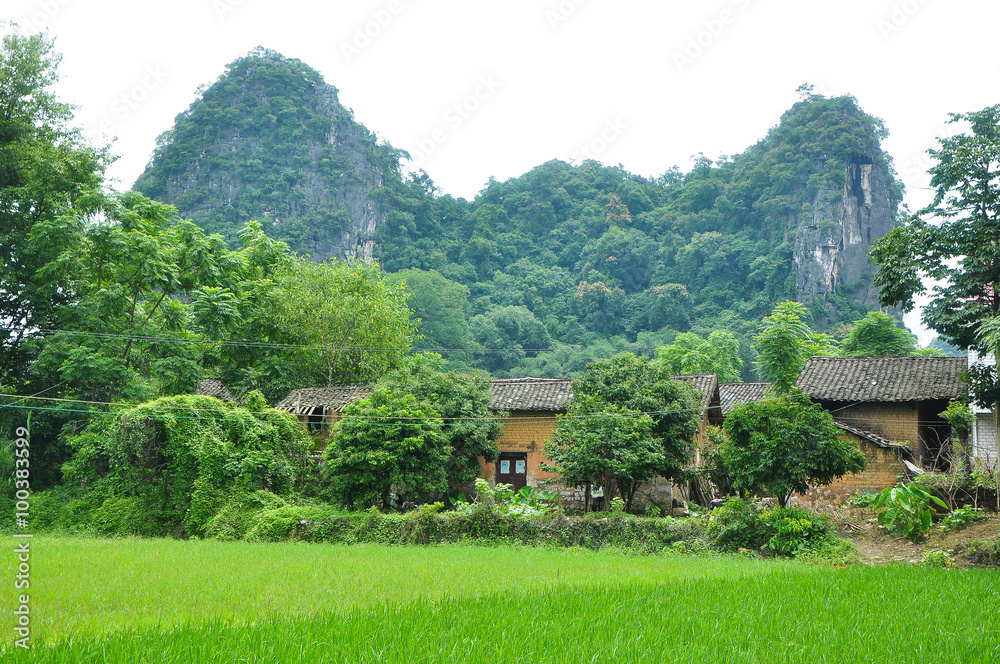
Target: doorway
{"points": [[512, 469]]}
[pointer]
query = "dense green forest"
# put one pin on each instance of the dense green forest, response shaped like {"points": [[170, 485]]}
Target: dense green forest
{"points": [[117, 307], [544, 272]]}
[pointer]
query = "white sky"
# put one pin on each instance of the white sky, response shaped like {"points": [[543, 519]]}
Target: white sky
{"points": [[643, 83]]}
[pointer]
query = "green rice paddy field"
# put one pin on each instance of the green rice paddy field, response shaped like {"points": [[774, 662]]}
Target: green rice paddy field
{"points": [[95, 600]]}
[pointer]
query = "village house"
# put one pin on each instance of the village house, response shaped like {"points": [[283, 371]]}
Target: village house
{"points": [[532, 406], [319, 408], [885, 457], [898, 399]]}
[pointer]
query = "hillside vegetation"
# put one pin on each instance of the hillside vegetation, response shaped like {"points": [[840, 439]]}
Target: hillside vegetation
{"points": [[566, 263]]}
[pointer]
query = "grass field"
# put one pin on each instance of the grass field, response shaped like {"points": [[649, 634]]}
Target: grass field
{"points": [[202, 601]]}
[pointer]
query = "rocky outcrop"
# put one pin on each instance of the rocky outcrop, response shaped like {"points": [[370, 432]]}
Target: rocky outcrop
{"points": [[833, 236], [271, 141]]}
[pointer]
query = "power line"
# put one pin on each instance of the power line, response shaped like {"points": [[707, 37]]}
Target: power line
{"points": [[271, 345], [10, 405]]}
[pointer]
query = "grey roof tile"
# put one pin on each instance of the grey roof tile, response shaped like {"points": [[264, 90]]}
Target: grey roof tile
{"points": [[531, 394], [731, 394], [333, 399], [881, 441], [882, 378], [213, 387], [707, 384]]}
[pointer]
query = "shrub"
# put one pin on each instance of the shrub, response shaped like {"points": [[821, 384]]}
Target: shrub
{"points": [[937, 559], [175, 459], [122, 515], [866, 499], [907, 510], [786, 531], [236, 516], [795, 531], [502, 499], [983, 553], [737, 525], [961, 517], [286, 522], [484, 526]]}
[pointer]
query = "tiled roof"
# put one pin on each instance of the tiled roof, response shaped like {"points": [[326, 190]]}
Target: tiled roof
{"points": [[881, 441], [518, 394], [538, 394], [882, 378], [731, 394], [213, 387], [707, 384], [533, 394], [333, 399]]}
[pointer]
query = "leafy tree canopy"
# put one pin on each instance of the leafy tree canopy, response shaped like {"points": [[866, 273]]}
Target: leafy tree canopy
{"points": [[384, 444], [690, 354], [462, 400], [878, 334], [785, 343], [783, 444], [46, 168], [631, 421], [952, 240]]}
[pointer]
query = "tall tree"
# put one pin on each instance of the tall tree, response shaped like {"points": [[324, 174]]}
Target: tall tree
{"points": [[878, 334], [719, 354], [442, 307], [127, 273], [350, 323], [785, 343], [954, 239], [383, 444], [462, 400], [783, 444], [632, 421], [46, 169]]}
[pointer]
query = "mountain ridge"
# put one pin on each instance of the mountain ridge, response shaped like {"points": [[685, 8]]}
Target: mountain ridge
{"points": [[577, 257]]}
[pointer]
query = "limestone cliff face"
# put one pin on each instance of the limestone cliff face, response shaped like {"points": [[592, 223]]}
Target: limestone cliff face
{"points": [[832, 239], [271, 141]]}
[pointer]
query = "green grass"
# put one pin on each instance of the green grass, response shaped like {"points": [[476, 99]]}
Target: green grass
{"points": [[171, 601]]}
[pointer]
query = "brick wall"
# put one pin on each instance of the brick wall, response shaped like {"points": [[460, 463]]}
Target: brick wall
{"points": [[984, 439], [525, 431], [899, 422], [884, 468]]}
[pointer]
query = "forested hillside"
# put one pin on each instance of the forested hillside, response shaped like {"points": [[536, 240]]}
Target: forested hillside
{"points": [[544, 272]]}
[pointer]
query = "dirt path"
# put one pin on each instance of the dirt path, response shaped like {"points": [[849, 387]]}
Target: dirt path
{"points": [[876, 546]]}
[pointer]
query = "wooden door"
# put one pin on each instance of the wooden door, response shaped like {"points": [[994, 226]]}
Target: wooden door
{"points": [[512, 469]]}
